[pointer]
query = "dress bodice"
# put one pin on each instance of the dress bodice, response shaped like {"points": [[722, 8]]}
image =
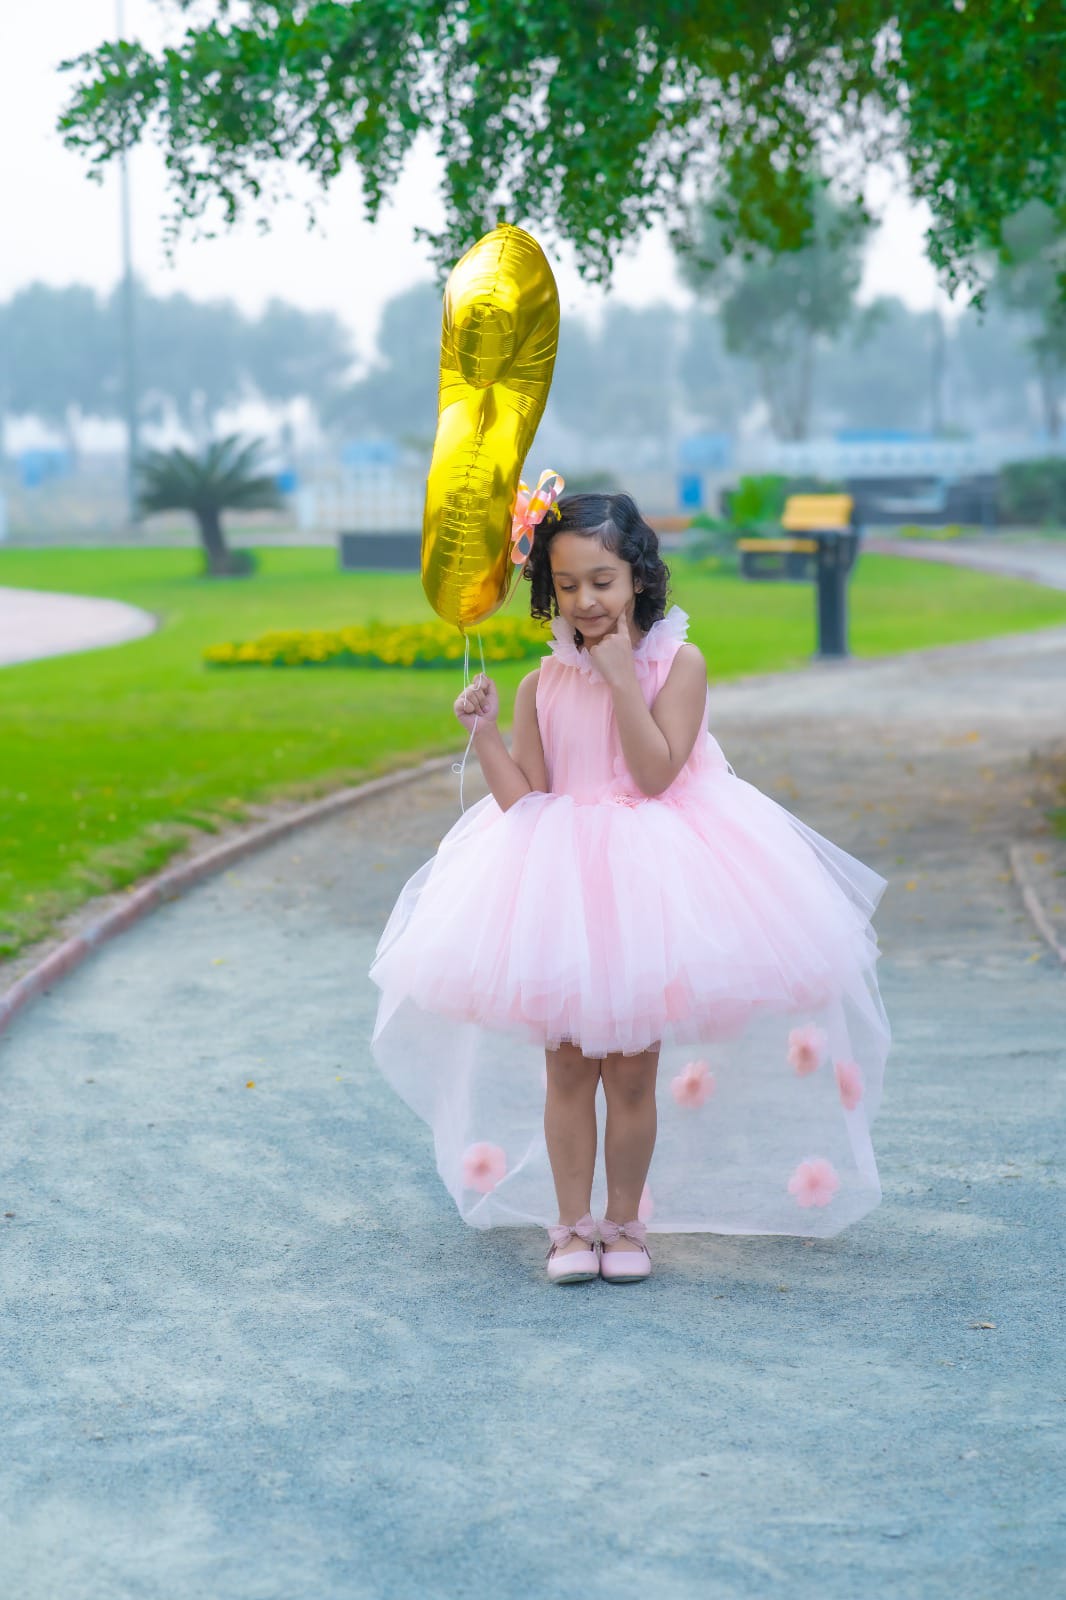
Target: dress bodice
{"points": [[575, 712]]}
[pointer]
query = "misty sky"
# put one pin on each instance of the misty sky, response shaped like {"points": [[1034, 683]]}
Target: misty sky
{"points": [[59, 227]]}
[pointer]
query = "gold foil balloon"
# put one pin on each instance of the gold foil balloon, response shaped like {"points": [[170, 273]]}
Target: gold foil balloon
{"points": [[499, 336]]}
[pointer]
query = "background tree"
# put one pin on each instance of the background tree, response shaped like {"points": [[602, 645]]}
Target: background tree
{"points": [[588, 122], [60, 356], [620, 383], [1027, 282], [879, 373], [291, 353], [394, 397], [192, 356], [59, 362], [991, 369], [776, 310], [226, 476], [716, 387]]}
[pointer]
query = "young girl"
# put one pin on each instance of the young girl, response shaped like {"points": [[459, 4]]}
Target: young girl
{"points": [[624, 910]]}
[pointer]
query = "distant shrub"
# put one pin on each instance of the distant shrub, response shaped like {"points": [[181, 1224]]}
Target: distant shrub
{"points": [[592, 482], [915, 530], [1034, 492], [757, 502]]}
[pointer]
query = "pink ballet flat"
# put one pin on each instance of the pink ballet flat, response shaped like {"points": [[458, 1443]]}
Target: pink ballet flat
{"points": [[578, 1265], [624, 1266]]}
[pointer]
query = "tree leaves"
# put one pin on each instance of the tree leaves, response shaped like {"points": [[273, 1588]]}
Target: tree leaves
{"points": [[589, 122]]}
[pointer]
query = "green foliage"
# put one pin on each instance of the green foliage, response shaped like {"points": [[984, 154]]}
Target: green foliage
{"points": [[756, 504], [753, 508], [225, 476], [1034, 492], [590, 121]]}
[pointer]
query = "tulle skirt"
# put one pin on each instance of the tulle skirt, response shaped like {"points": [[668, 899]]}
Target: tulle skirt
{"points": [[709, 922]]}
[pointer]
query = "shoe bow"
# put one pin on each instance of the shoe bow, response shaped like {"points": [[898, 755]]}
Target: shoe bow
{"points": [[585, 1228], [610, 1231]]}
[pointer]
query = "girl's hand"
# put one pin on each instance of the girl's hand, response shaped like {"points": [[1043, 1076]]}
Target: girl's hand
{"points": [[613, 654], [481, 701]]}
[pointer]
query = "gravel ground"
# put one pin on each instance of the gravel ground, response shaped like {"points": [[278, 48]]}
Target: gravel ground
{"points": [[252, 1353]]}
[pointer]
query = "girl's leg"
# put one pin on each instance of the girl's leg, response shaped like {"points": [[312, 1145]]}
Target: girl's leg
{"points": [[629, 1139], [570, 1132]]}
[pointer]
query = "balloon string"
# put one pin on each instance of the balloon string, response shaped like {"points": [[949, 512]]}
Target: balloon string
{"points": [[460, 766]]}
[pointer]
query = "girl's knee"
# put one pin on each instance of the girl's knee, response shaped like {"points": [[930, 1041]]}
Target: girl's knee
{"points": [[572, 1072], [630, 1080]]}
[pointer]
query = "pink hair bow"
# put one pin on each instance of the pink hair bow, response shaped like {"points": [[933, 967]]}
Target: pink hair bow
{"points": [[530, 508]]}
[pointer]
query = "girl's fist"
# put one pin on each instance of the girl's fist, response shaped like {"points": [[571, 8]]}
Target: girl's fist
{"points": [[480, 700]]}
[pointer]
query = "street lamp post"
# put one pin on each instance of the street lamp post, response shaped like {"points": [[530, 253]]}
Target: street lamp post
{"points": [[128, 321]]}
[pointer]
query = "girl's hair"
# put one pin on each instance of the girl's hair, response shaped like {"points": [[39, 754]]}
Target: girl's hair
{"points": [[614, 520]]}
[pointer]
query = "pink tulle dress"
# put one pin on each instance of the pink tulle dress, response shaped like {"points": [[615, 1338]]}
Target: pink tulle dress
{"points": [[707, 918]]}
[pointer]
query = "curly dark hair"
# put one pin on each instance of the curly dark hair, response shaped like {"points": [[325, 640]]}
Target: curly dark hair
{"points": [[614, 520]]}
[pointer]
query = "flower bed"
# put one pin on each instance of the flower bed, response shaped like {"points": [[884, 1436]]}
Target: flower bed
{"points": [[379, 644]]}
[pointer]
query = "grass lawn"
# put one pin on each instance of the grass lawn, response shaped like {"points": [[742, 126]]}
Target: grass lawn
{"points": [[111, 757]]}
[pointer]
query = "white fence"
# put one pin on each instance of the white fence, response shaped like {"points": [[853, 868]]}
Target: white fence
{"points": [[890, 458], [372, 499]]}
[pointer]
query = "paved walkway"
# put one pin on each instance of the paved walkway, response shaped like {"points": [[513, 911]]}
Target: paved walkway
{"points": [[35, 623], [251, 1352]]}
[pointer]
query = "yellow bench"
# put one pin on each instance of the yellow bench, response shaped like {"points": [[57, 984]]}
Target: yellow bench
{"points": [[818, 513], [808, 545]]}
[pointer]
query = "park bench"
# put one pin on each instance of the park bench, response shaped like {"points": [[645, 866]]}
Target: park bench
{"points": [[820, 542]]}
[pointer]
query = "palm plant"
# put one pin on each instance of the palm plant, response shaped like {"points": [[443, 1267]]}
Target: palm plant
{"points": [[227, 476]]}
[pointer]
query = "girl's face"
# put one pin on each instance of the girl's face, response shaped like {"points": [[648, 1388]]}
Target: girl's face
{"points": [[592, 586]]}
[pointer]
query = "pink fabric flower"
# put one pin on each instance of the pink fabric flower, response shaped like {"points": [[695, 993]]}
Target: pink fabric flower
{"points": [[483, 1166], [849, 1083], [814, 1182], [693, 1085], [805, 1048], [531, 506]]}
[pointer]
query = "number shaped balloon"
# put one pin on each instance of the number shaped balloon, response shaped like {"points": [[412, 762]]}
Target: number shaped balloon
{"points": [[499, 336]]}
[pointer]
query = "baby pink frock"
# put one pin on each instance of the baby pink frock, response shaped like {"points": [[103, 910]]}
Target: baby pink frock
{"points": [[707, 919]]}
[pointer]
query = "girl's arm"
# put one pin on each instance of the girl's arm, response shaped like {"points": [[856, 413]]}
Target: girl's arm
{"points": [[657, 743], [509, 776]]}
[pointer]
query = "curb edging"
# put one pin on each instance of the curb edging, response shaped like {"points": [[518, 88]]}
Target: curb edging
{"points": [[174, 881]]}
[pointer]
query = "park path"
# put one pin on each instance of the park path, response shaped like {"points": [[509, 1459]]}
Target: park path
{"points": [[1042, 560], [36, 623], [252, 1353]]}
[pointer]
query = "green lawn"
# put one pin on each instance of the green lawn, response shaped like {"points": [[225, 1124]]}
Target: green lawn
{"points": [[111, 756]]}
